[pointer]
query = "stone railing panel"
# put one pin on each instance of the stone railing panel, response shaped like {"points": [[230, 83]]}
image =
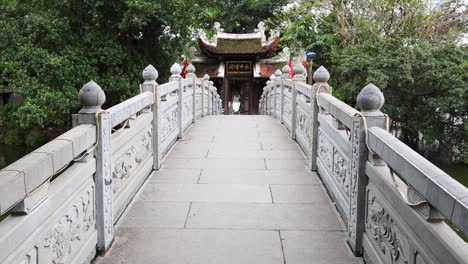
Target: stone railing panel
{"points": [[65, 197], [393, 214], [198, 98], [303, 132], [169, 129], [168, 88], [81, 137], [62, 230], [187, 110], [304, 89], [334, 162], [439, 189], [123, 111], [334, 149], [342, 112], [132, 160], [25, 181], [397, 233], [287, 101]]}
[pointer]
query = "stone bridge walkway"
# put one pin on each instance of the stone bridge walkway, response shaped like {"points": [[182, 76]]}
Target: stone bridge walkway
{"points": [[235, 190]]}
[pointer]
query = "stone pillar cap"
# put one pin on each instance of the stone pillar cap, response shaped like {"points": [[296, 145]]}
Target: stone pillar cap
{"points": [[91, 97], [321, 75], [175, 69], [150, 73], [278, 73], [370, 99], [191, 68]]}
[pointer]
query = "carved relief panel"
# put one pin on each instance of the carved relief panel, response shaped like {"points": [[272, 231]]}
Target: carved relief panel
{"points": [[303, 123], [385, 234], [68, 235], [187, 108], [325, 150], [131, 159], [168, 123], [287, 109], [341, 170]]}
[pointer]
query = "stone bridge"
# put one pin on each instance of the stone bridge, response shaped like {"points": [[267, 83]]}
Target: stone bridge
{"points": [[164, 177]]}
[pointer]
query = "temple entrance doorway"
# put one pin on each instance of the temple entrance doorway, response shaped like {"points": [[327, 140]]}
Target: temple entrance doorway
{"points": [[239, 96], [239, 64]]}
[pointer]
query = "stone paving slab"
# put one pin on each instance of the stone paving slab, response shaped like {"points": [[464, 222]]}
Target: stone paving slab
{"points": [[251, 216], [235, 190], [176, 176], [318, 247], [299, 194], [235, 146], [239, 193], [191, 246], [278, 146], [267, 154], [160, 215], [253, 164], [190, 153], [236, 176], [275, 164]]}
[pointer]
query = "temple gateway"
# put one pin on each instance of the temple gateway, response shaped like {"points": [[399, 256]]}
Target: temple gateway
{"points": [[239, 65]]}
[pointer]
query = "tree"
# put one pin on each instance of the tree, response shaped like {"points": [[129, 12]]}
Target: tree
{"points": [[237, 16], [51, 48], [403, 47], [425, 88]]}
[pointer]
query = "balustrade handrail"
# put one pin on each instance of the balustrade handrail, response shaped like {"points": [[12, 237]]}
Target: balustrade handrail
{"points": [[350, 150], [440, 190], [27, 175], [71, 191]]}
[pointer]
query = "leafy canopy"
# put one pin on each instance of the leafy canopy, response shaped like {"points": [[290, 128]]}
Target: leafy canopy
{"points": [[51, 48], [410, 51]]}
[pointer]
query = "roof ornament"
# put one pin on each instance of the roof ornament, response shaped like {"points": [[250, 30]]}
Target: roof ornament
{"points": [[261, 29], [202, 35], [192, 52], [274, 33], [301, 55], [218, 29], [285, 54]]}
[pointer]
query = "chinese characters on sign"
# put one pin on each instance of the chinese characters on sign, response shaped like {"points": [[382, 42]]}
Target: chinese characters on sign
{"points": [[239, 67]]}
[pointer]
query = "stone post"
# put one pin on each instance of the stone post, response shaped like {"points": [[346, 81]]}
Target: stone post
{"points": [[191, 75], [299, 76], [321, 77], [266, 90], [176, 77], [272, 89], [370, 100], [285, 75], [276, 86], [205, 81], [150, 74], [213, 102], [209, 104], [260, 105], [92, 97]]}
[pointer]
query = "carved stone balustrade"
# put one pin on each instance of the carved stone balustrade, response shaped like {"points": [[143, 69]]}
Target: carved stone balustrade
{"points": [[65, 197], [392, 200]]}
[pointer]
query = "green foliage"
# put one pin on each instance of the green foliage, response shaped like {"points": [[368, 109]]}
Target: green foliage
{"points": [[425, 87], [406, 50], [238, 16], [35, 138], [14, 136], [51, 48]]}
